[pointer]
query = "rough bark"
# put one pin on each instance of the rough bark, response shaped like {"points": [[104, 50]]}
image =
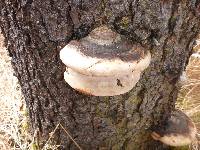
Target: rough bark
{"points": [[36, 30]]}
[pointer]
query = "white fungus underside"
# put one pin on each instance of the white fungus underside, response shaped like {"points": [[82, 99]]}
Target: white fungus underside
{"points": [[177, 139], [101, 86]]}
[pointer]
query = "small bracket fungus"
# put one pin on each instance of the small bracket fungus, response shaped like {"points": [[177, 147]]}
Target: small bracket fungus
{"points": [[103, 63], [177, 130]]}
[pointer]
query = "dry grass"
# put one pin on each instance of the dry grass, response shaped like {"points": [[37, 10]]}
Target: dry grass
{"points": [[189, 96], [13, 121], [11, 110]]}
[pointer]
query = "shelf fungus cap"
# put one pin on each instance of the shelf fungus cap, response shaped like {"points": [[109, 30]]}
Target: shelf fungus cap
{"points": [[104, 63], [177, 130]]}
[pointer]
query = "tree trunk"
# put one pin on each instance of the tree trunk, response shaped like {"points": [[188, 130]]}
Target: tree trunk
{"points": [[36, 30]]}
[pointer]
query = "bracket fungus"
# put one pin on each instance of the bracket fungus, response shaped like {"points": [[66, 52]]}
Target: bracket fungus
{"points": [[103, 63], [177, 130]]}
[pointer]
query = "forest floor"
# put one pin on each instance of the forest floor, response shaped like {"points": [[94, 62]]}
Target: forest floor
{"points": [[13, 120]]}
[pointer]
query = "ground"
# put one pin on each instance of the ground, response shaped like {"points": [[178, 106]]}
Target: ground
{"points": [[11, 101], [13, 119]]}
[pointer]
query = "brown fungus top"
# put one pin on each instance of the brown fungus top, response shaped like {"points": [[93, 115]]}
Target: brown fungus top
{"points": [[122, 50], [104, 43], [177, 123]]}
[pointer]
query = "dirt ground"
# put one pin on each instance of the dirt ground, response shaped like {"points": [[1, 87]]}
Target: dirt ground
{"points": [[11, 101]]}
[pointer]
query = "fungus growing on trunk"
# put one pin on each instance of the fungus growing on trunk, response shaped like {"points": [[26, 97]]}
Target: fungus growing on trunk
{"points": [[177, 130], [103, 63]]}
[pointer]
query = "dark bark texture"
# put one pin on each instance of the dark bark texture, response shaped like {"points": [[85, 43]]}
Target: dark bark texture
{"points": [[36, 30]]}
